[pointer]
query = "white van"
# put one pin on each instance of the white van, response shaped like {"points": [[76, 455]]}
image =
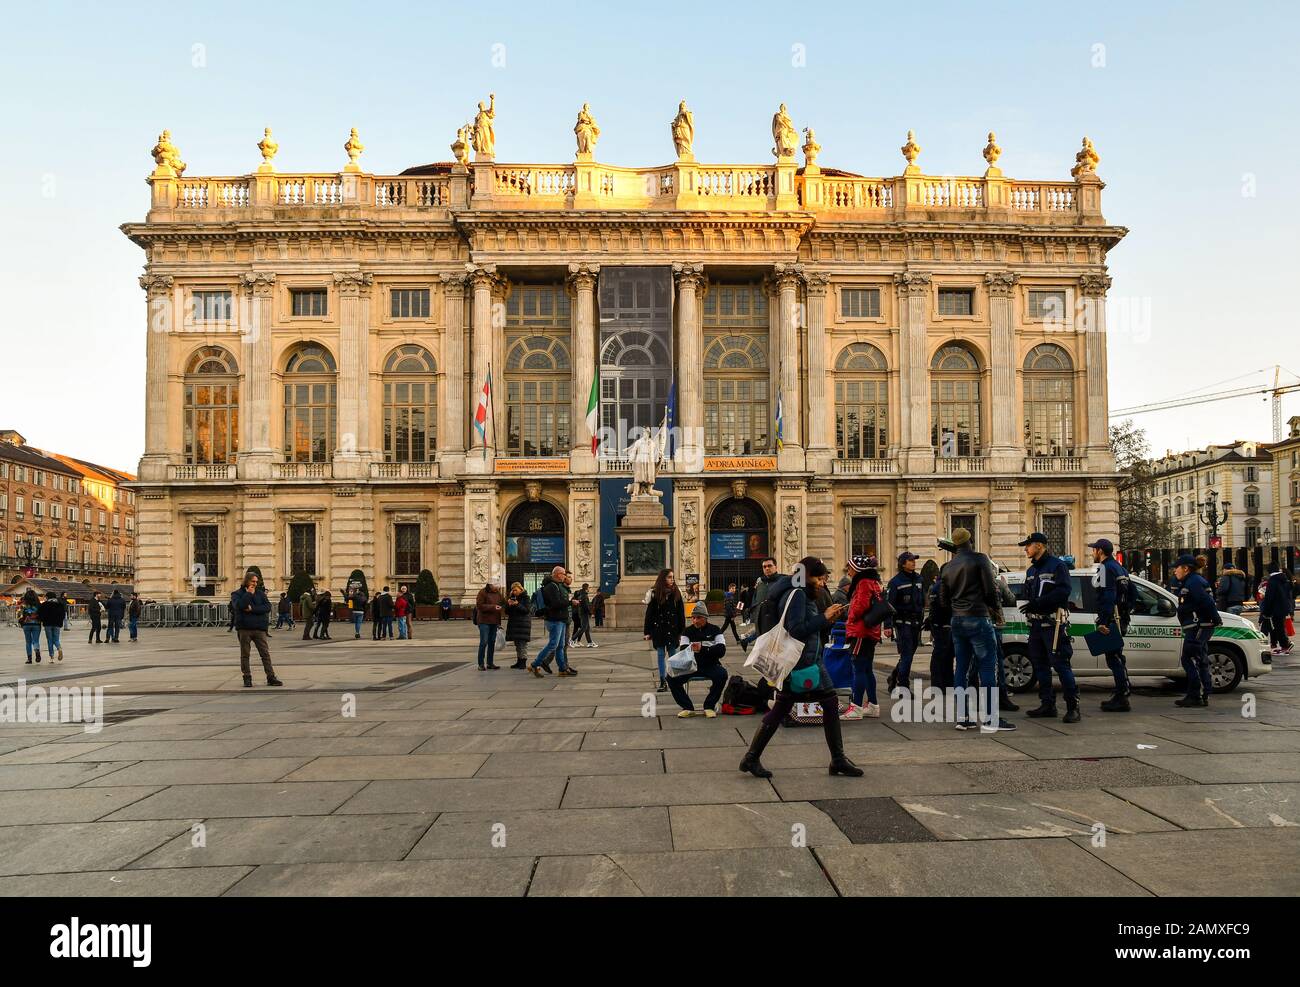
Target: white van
{"points": [[1152, 645]]}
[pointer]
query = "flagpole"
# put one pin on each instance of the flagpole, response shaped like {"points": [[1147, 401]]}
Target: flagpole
{"points": [[492, 402]]}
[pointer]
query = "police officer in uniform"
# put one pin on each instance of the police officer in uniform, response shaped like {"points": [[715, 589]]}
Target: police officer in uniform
{"points": [[1198, 615], [942, 656], [906, 594], [1111, 581], [1047, 588]]}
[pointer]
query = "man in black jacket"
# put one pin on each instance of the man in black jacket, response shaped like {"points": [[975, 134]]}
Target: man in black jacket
{"points": [[967, 588], [708, 644], [116, 607], [93, 608], [252, 619], [52, 614], [555, 604]]}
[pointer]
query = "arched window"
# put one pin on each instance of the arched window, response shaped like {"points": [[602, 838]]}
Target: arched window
{"points": [[310, 405], [736, 412], [955, 419], [211, 407], [538, 397], [410, 406], [633, 383], [861, 402], [1049, 401]]}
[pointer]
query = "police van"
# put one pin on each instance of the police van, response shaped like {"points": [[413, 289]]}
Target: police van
{"points": [[1152, 645]]}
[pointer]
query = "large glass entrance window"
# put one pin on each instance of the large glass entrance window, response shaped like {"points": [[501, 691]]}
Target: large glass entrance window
{"points": [[738, 535], [636, 348]]}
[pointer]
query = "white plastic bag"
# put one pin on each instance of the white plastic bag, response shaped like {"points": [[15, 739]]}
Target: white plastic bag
{"points": [[682, 663], [501, 641], [776, 653]]}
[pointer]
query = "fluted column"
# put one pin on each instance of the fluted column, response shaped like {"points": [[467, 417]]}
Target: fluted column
{"points": [[1093, 323], [690, 367], [354, 371], [485, 281], [451, 429], [788, 276], [820, 450], [582, 280], [1006, 444], [161, 310], [917, 455], [256, 451]]}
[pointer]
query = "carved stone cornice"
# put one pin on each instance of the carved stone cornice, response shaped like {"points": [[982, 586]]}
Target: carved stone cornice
{"points": [[353, 284], [912, 283], [582, 276], [688, 275], [157, 285], [1001, 284], [258, 283], [1094, 285]]}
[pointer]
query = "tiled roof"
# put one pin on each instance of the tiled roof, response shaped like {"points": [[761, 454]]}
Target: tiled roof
{"points": [[36, 458]]}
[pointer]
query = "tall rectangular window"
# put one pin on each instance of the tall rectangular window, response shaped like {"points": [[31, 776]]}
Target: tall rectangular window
{"points": [[737, 411], [212, 306], [302, 549], [1057, 529], [956, 301], [409, 303], [206, 553], [864, 535], [406, 542], [1047, 305], [860, 303], [309, 302], [967, 521]]}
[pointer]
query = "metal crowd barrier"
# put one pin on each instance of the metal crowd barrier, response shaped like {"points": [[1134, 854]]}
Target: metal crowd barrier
{"points": [[185, 615]]}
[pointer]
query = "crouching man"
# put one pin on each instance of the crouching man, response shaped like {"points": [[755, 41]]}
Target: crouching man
{"points": [[705, 640]]}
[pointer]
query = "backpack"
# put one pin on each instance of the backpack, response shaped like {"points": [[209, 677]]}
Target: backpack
{"points": [[741, 695]]}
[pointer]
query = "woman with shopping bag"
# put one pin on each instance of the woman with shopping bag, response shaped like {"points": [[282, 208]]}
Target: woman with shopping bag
{"points": [[867, 612], [700, 657], [1276, 608], [808, 680]]}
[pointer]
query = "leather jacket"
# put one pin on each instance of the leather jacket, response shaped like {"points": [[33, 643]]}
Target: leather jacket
{"points": [[967, 585]]}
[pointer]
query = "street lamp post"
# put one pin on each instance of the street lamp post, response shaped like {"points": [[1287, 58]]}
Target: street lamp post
{"points": [[1211, 516], [28, 551]]}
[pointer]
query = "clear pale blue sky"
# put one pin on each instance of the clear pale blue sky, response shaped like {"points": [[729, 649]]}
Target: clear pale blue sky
{"points": [[1193, 97]]}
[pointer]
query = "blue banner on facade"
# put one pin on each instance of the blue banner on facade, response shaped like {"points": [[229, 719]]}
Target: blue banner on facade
{"points": [[613, 505]]}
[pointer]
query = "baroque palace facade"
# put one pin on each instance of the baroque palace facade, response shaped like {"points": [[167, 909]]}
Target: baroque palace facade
{"points": [[850, 364]]}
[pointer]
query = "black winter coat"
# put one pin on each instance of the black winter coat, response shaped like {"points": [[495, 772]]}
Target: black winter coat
{"points": [[664, 622], [519, 619], [256, 617]]}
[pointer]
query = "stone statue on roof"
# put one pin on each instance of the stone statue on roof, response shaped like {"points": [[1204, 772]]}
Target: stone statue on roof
{"points": [[586, 130], [485, 134], [784, 134], [683, 130]]}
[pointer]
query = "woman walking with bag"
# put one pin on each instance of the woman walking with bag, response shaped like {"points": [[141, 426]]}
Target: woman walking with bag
{"points": [[665, 620], [487, 608], [519, 623], [29, 618], [324, 614], [867, 611], [808, 681]]}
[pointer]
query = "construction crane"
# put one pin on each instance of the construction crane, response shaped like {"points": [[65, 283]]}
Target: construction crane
{"points": [[1276, 392]]}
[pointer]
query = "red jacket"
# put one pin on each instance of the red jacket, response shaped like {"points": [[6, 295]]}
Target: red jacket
{"points": [[867, 593], [400, 607]]}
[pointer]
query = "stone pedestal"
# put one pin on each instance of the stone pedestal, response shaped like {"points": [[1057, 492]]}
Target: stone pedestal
{"points": [[644, 547]]}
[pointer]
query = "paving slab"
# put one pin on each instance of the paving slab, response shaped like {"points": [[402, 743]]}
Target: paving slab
{"points": [[761, 824], [76, 847], [65, 774], [1106, 745], [50, 753], [293, 840], [1032, 815], [1269, 741], [492, 743], [365, 767], [1226, 862], [1232, 806], [168, 750], [610, 740], [301, 798], [572, 764], [336, 746], [447, 795], [474, 878], [274, 731], [874, 820], [761, 872], [1212, 769], [190, 882], [703, 788], [811, 784], [1064, 774], [552, 713], [545, 833], [48, 805], [1003, 868], [211, 771], [815, 755]]}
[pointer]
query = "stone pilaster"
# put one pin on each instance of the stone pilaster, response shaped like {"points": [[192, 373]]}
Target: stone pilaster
{"points": [[161, 322], [160, 550], [692, 539], [820, 451], [351, 534], [1092, 323], [788, 278], [1101, 514], [1007, 523], [690, 368], [916, 453], [919, 520], [484, 559], [1006, 447], [582, 281], [584, 528], [256, 451], [452, 527], [255, 537], [486, 282], [791, 523], [451, 430], [350, 459], [822, 519]]}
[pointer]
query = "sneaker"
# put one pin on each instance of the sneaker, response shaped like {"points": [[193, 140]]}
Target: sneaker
{"points": [[272, 680], [29, 661], [248, 681], [710, 714], [663, 686], [872, 710], [685, 714], [1187, 701], [547, 669], [967, 725], [60, 654], [535, 670], [852, 713], [38, 657], [1002, 725]]}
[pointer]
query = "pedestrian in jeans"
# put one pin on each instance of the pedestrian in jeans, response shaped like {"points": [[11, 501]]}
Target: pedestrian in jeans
{"points": [[863, 593], [406, 593], [519, 623], [357, 607], [555, 603], [665, 620], [307, 606], [324, 614], [284, 612], [67, 611], [968, 590], [53, 613], [401, 610], [487, 612], [29, 618], [116, 607], [252, 617], [386, 614], [133, 611], [94, 610], [582, 617], [730, 604]]}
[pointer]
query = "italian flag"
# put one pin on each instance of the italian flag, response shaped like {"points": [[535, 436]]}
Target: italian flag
{"points": [[593, 415]]}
